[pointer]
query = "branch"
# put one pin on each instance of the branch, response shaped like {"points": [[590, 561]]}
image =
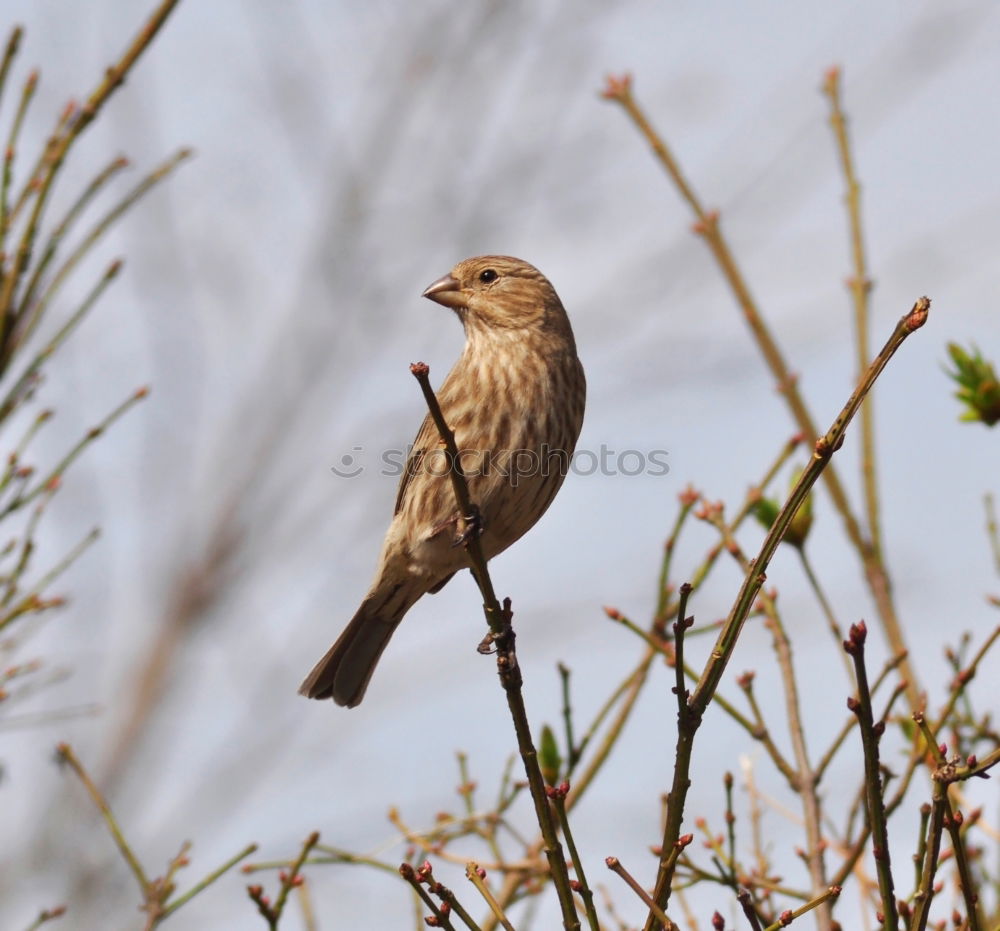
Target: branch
{"points": [[502, 635], [707, 225], [825, 447]]}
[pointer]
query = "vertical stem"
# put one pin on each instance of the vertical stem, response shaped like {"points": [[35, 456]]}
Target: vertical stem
{"points": [[806, 775], [860, 286], [502, 635], [870, 733]]}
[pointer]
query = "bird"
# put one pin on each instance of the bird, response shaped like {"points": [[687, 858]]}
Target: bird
{"points": [[515, 401]]}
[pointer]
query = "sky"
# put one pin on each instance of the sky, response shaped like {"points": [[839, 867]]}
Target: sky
{"points": [[345, 156]]}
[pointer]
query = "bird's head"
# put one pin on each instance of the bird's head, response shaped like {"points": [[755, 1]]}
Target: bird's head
{"points": [[498, 292]]}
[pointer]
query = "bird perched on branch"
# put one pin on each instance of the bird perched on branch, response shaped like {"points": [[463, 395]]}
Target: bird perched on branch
{"points": [[514, 401]]}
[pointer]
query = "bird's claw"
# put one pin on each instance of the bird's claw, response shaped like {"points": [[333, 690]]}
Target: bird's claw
{"points": [[474, 526]]}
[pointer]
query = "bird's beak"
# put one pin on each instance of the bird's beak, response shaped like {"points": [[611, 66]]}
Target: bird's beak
{"points": [[446, 291]]}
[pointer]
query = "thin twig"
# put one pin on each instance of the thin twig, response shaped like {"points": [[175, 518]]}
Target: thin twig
{"points": [[953, 824], [475, 876], [70, 457], [788, 917], [931, 843], [502, 635], [806, 781], [851, 722], [288, 880], [413, 878], [871, 731], [10, 150], [47, 914], [207, 881], [66, 754], [615, 865], [559, 802]]}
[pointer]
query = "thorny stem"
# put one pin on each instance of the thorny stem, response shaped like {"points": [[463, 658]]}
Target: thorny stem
{"points": [[707, 225], [726, 643], [803, 778], [507, 666]]}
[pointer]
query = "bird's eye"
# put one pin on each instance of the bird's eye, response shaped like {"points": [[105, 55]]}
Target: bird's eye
{"points": [[487, 275]]}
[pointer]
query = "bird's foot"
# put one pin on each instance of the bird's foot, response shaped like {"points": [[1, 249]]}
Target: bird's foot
{"points": [[473, 526]]}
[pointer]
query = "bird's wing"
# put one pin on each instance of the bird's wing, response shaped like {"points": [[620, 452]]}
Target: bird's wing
{"points": [[427, 436]]}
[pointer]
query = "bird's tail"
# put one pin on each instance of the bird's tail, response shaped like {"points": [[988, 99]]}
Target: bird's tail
{"points": [[343, 674]]}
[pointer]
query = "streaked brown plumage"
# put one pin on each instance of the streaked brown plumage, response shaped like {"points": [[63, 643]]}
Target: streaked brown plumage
{"points": [[515, 401]]}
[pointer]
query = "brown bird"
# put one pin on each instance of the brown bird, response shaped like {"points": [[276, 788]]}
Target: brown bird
{"points": [[514, 400]]}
